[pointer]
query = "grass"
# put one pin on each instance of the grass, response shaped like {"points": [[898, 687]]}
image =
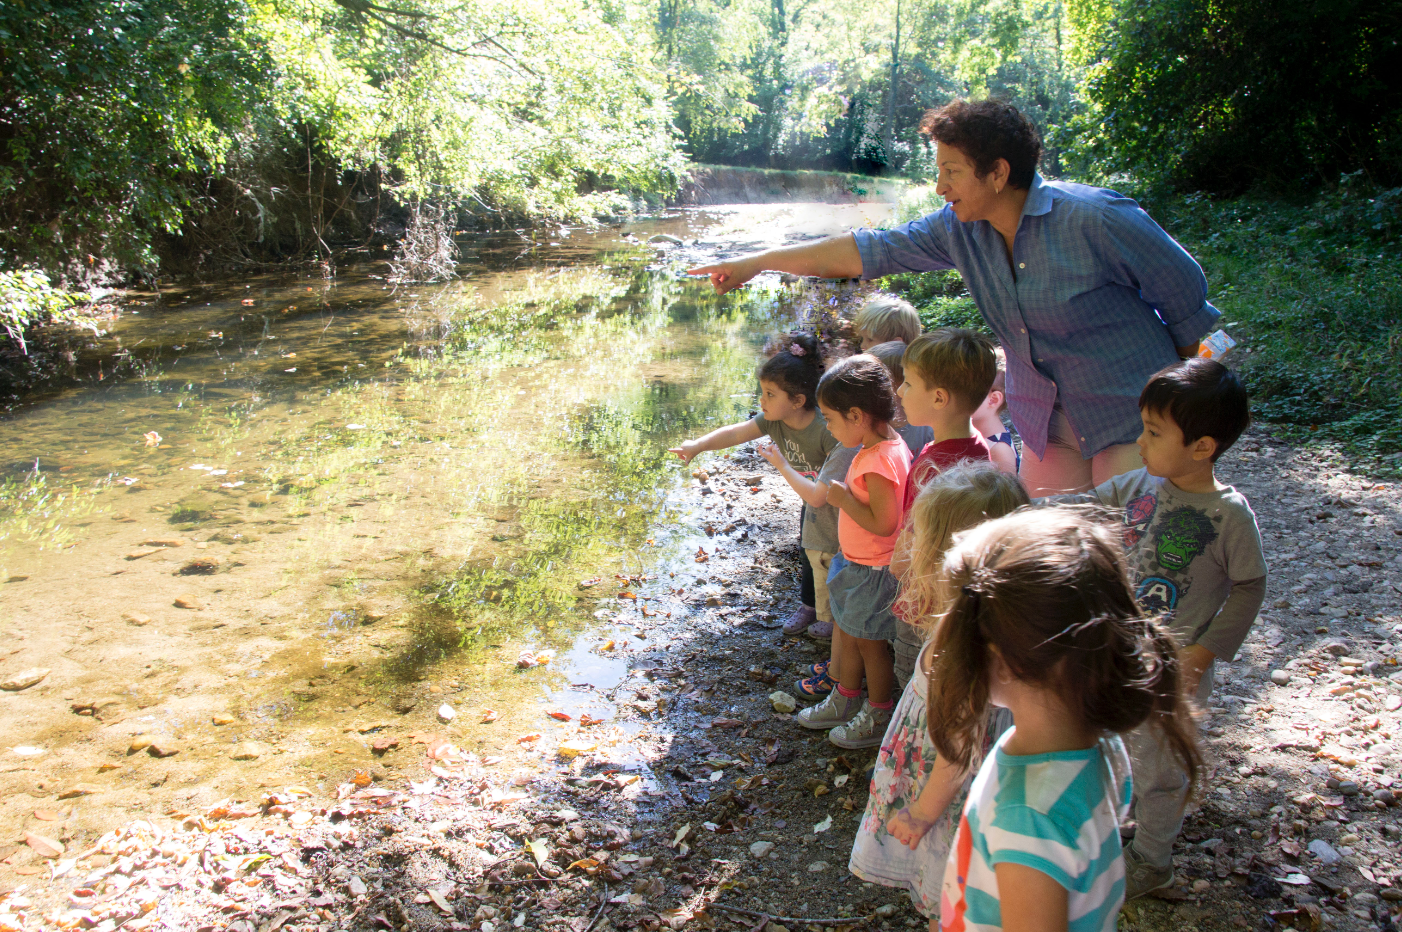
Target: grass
{"points": [[1311, 288]]}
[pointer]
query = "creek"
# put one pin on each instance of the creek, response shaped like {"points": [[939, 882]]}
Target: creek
{"points": [[285, 503]]}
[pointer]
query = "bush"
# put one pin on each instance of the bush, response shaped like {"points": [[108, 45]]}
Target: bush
{"points": [[27, 299]]}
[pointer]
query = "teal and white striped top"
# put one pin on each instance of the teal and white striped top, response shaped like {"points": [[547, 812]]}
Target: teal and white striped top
{"points": [[1057, 813]]}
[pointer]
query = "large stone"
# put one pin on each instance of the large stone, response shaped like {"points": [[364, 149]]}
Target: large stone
{"points": [[1280, 677], [762, 849], [24, 679], [250, 750]]}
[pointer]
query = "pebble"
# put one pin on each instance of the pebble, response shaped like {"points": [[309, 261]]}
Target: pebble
{"points": [[79, 789], [355, 886], [1392, 703], [249, 750], [24, 679], [222, 718], [1201, 886], [1385, 796], [187, 601], [140, 743], [1280, 677], [782, 702], [446, 713], [817, 867], [886, 910], [136, 619], [761, 849], [162, 747], [1325, 851], [1348, 788]]}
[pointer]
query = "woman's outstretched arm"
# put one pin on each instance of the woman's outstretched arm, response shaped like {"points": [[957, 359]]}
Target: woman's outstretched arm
{"points": [[834, 257]]}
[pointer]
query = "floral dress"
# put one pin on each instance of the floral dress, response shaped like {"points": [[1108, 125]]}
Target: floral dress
{"points": [[903, 765]]}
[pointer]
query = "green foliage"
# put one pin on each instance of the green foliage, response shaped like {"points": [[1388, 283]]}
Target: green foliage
{"points": [[27, 299], [1225, 96], [106, 108], [1313, 290]]}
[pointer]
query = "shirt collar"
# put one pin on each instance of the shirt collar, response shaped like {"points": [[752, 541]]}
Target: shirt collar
{"points": [[1039, 198]]}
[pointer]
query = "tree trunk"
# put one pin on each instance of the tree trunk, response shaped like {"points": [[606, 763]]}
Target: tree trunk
{"points": [[888, 131]]}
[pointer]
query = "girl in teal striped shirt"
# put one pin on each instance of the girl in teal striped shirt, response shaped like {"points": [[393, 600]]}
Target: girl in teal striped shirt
{"points": [[1042, 621]]}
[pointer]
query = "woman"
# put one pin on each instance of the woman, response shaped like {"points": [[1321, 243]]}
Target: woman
{"points": [[1086, 293]]}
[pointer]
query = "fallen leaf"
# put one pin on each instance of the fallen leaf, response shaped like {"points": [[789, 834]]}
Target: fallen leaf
{"points": [[47, 815], [701, 555], [538, 850], [572, 749], [723, 722], [153, 439], [44, 847], [560, 716], [362, 779], [247, 302], [585, 720], [588, 865], [589, 583], [526, 739], [489, 716], [628, 595], [681, 835], [823, 826], [440, 902]]}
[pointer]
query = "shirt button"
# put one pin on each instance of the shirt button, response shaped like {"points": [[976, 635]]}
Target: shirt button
{"points": [[1024, 329], [1022, 265], [1083, 440]]}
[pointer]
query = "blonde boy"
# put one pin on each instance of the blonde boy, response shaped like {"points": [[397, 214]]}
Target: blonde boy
{"points": [[885, 318]]}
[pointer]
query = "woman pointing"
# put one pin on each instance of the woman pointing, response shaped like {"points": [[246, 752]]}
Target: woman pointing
{"points": [[1086, 293]]}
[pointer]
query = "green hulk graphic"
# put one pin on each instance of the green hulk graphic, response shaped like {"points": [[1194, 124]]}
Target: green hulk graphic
{"points": [[1180, 535]]}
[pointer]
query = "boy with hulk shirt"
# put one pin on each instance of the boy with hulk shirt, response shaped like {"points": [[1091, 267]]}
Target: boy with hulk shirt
{"points": [[1194, 554]]}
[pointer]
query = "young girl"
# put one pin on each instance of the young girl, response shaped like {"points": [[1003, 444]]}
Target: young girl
{"points": [[789, 416], [988, 421], [857, 398], [1042, 622], [911, 781]]}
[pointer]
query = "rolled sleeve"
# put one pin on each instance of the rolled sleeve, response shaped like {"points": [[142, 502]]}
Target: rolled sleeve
{"points": [[918, 246], [1142, 256]]}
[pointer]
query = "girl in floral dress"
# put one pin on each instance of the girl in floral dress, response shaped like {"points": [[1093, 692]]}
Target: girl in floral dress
{"points": [[916, 796]]}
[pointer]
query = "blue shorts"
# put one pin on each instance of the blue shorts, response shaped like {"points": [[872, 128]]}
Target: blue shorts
{"points": [[861, 598]]}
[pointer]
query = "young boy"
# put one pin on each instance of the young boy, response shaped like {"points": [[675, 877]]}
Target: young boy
{"points": [[988, 421], [948, 373], [914, 435], [1195, 556], [883, 319]]}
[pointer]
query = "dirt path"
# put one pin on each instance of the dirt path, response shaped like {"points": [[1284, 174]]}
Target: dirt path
{"points": [[642, 822]]}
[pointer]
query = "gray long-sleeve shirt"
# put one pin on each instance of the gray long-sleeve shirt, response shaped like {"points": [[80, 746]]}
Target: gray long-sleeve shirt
{"points": [[1195, 557]]}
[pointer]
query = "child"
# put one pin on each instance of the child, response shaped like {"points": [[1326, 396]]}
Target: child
{"points": [[1195, 552], [855, 396], [948, 374], [819, 538], [914, 435], [789, 414], [988, 421], [884, 318], [912, 787], [1042, 622]]}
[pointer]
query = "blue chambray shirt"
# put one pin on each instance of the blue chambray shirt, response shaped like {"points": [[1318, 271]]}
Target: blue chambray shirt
{"points": [[1102, 298]]}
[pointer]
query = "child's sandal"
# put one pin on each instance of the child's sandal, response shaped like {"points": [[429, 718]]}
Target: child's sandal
{"points": [[814, 688], [818, 669]]}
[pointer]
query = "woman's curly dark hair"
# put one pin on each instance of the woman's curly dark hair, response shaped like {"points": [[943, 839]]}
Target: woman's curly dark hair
{"points": [[986, 131]]}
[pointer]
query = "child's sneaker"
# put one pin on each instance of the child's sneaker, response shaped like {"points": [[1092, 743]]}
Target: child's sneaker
{"points": [[865, 730], [799, 621], [818, 669], [813, 688], [1141, 877], [820, 631], [835, 710]]}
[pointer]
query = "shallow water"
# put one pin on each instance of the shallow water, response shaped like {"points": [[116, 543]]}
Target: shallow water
{"points": [[456, 457]]}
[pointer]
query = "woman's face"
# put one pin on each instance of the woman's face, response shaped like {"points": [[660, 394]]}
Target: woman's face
{"points": [[971, 197]]}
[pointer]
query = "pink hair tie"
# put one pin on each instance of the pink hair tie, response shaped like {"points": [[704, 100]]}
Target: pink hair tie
{"points": [[796, 350]]}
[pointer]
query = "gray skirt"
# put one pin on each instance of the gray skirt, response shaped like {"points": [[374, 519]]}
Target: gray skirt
{"points": [[861, 598]]}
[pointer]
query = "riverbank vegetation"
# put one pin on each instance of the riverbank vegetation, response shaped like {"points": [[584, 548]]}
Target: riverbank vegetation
{"points": [[144, 137]]}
